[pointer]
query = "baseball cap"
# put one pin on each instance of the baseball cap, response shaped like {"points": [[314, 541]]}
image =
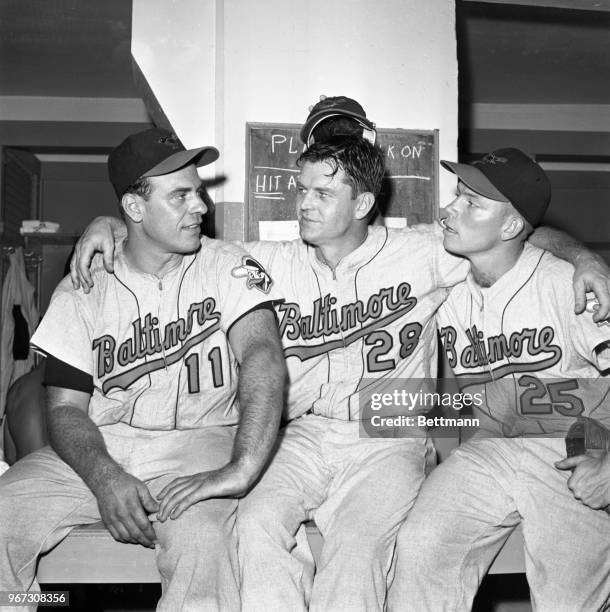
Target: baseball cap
{"points": [[508, 175], [152, 153], [332, 107]]}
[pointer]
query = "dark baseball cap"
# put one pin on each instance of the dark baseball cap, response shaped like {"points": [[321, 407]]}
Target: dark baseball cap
{"points": [[332, 107], [508, 175], [152, 153]]}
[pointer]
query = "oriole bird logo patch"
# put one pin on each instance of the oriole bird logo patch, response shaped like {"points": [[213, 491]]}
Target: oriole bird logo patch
{"points": [[254, 272]]}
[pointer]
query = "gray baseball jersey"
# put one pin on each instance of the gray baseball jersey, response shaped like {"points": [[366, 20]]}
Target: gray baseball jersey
{"points": [[157, 350], [370, 320], [519, 343]]}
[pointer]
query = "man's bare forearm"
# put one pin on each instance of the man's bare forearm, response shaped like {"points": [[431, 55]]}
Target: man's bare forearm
{"points": [[591, 272], [78, 441], [561, 244], [262, 384]]}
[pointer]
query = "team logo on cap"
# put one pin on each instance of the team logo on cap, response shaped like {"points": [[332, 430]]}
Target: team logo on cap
{"points": [[330, 102], [254, 272], [490, 158], [171, 141]]}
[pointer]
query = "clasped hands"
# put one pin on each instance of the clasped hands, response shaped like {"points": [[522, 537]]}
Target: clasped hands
{"points": [[128, 509]]}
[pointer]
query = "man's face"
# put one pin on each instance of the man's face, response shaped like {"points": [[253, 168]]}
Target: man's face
{"points": [[172, 214], [473, 223], [325, 206]]}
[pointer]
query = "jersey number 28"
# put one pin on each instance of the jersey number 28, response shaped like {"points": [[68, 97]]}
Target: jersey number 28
{"points": [[383, 342]]}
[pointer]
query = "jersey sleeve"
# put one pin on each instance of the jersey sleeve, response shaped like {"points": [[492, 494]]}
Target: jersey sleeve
{"points": [[449, 270], [67, 327], [446, 313], [243, 284], [272, 254]]}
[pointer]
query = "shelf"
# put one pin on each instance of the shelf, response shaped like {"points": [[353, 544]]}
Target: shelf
{"points": [[58, 238]]}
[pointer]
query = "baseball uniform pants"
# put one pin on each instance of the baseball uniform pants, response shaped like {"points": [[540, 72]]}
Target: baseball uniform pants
{"points": [[468, 507], [42, 499], [358, 491]]}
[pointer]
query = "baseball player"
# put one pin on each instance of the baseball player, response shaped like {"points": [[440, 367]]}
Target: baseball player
{"points": [[357, 313], [510, 335], [165, 389]]}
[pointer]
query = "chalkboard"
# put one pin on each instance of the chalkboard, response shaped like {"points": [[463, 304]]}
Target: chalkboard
{"points": [[410, 191]]}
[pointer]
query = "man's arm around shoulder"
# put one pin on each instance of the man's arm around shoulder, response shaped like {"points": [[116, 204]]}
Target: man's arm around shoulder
{"points": [[123, 500], [255, 341], [591, 273]]}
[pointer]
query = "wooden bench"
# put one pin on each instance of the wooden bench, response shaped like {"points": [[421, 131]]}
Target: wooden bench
{"points": [[90, 555]]}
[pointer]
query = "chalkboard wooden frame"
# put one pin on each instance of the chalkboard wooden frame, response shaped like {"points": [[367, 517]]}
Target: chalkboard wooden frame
{"points": [[411, 187]]}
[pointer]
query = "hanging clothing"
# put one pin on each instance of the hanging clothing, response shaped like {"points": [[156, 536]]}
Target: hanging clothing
{"points": [[21, 335], [18, 320]]}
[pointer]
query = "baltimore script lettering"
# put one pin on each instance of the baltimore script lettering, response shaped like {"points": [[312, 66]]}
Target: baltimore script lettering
{"points": [[327, 320], [146, 337]]}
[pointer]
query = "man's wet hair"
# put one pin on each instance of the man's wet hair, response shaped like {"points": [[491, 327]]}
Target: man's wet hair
{"points": [[336, 126], [362, 162]]}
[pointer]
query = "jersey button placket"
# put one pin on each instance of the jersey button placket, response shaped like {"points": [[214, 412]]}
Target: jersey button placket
{"points": [[337, 359], [344, 295], [159, 302]]}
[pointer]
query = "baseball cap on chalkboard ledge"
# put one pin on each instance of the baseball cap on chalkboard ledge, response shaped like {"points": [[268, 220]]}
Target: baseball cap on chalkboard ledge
{"points": [[336, 106], [152, 153]]}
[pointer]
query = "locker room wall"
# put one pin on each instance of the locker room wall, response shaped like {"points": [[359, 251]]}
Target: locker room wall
{"points": [[73, 192]]}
